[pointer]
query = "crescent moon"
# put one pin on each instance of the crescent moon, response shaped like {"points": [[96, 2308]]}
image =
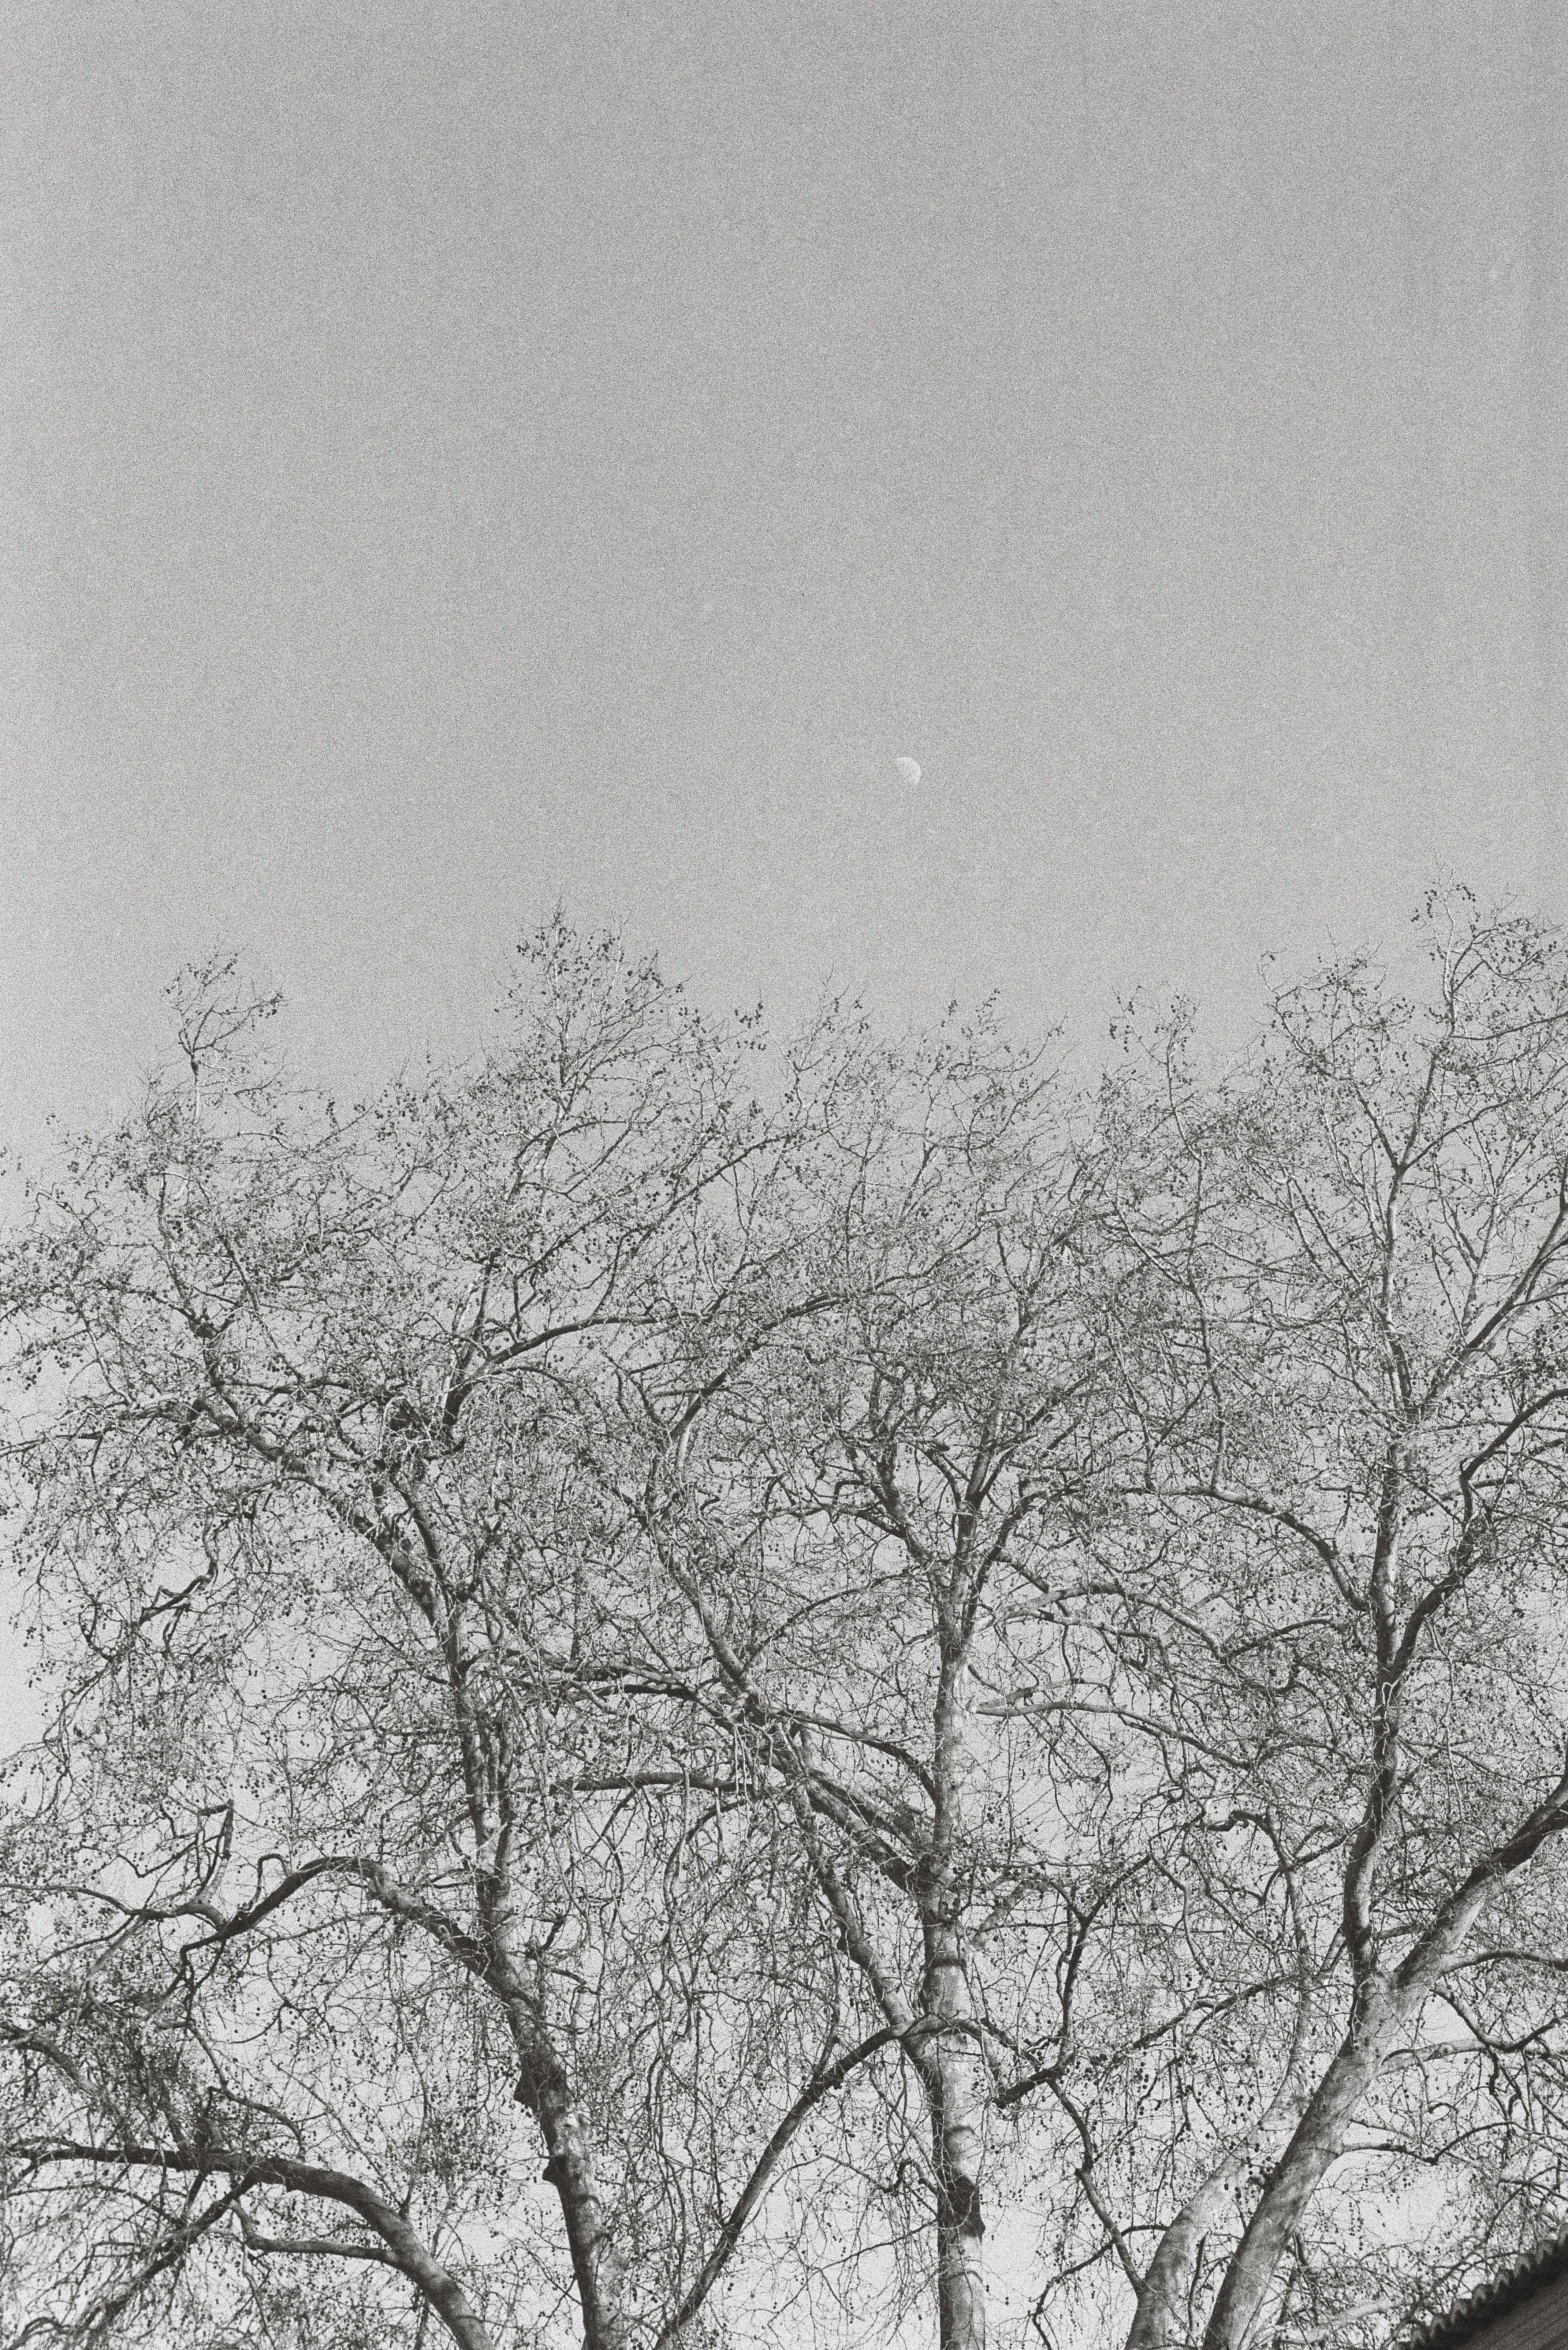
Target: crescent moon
{"points": [[909, 769]]}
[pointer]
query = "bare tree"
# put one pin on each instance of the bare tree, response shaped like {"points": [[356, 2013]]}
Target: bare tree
{"points": [[1335, 1592], [865, 1518], [363, 1760], [917, 1662]]}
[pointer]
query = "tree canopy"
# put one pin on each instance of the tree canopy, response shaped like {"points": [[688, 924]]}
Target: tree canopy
{"points": [[711, 1692]]}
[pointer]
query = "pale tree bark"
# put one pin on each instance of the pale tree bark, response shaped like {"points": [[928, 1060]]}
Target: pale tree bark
{"points": [[947, 2051], [1317, 2142], [1386, 2011], [940, 2034], [401, 2246], [1167, 2290], [941, 2042], [949, 2066], [596, 2263], [543, 2086]]}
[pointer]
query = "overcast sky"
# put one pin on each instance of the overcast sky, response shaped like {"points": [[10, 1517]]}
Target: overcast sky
{"points": [[461, 457]]}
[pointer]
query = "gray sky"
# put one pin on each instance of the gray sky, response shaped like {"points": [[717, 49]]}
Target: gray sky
{"points": [[461, 456]]}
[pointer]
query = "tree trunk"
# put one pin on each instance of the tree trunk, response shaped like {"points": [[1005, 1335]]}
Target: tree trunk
{"points": [[595, 2262], [1164, 2319], [949, 2055], [544, 2089], [1318, 2140], [956, 2099]]}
